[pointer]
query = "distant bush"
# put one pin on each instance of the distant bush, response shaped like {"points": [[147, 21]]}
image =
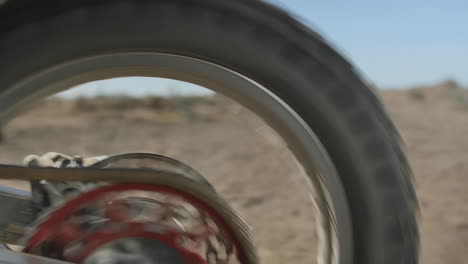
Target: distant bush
{"points": [[191, 108], [121, 103], [450, 83], [417, 95], [84, 105], [460, 99], [157, 103], [106, 103]]}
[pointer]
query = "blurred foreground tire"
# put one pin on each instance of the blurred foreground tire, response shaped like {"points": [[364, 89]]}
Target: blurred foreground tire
{"points": [[268, 46]]}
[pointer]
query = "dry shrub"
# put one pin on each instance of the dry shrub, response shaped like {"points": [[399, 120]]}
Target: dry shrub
{"points": [[156, 103], [417, 95], [84, 105], [191, 108]]}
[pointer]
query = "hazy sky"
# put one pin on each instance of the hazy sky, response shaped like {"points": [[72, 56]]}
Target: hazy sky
{"points": [[395, 43]]}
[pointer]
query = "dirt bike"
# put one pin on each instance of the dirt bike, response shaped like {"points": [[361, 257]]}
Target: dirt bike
{"points": [[103, 211]]}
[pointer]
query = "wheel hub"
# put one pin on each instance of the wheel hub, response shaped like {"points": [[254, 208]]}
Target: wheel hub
{"points": [[135, 250], [134, 223]]}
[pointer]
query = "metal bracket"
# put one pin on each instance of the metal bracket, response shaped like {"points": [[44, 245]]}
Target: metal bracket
{"points": [[12, 257], [18, 212]]}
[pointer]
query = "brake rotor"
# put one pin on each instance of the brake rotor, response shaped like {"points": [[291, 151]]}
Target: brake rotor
{"points": [[136, 223]]}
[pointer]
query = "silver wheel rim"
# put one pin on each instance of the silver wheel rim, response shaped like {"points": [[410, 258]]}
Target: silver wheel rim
{"points": [[332, 212]]}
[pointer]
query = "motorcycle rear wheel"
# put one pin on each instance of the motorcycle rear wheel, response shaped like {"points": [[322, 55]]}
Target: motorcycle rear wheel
{"points": [[261, 57]]}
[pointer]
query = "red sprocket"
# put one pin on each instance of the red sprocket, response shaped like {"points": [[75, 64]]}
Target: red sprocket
{"points": [[177, 223]]}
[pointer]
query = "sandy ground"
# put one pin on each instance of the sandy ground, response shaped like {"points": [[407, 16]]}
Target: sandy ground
{"points": [[251, 167], [435, 130]]}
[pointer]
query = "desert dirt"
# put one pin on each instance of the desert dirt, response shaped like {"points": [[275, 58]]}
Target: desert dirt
{"points": [[251, 167]]}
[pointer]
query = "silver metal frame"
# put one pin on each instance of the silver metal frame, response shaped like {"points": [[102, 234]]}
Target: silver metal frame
{"points": [[17, 213]]}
